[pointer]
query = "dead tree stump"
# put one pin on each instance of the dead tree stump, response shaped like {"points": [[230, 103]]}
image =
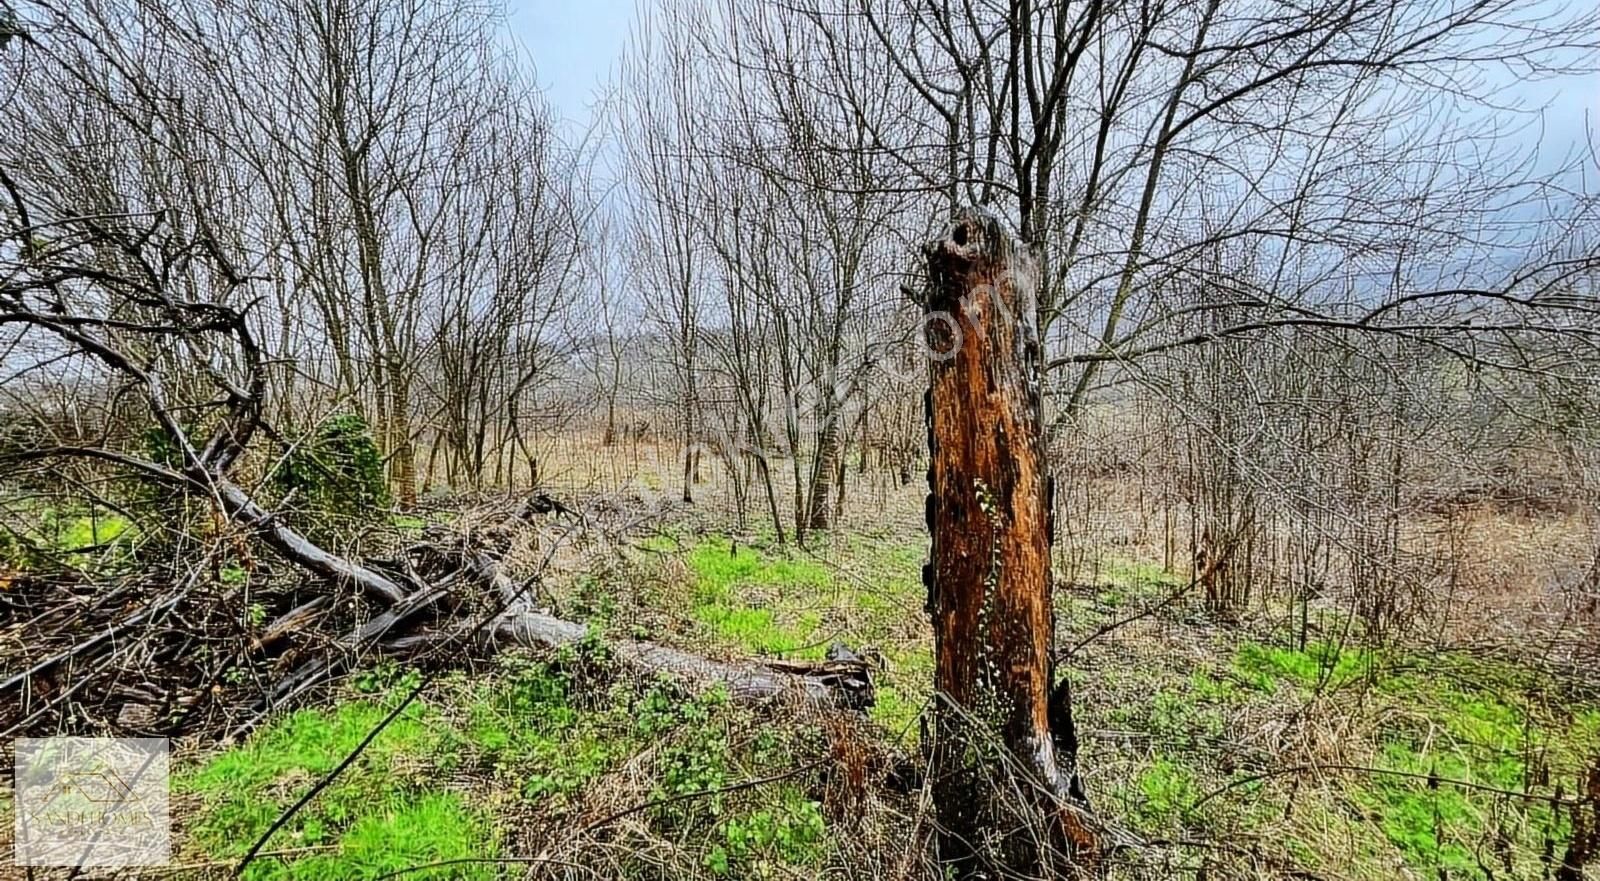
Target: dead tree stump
{"points": [[1002, 748]]}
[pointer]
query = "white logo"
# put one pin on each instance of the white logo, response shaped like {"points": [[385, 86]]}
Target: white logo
{"points": [[91, 801]]}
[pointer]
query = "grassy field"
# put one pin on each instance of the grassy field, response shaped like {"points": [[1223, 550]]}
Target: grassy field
{"points": [[1238, 754], [1228, 749]]}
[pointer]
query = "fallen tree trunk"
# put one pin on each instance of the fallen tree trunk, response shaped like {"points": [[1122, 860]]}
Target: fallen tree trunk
{"points": [[836, 682], [344, 652], [301, 551], [841, 681]]}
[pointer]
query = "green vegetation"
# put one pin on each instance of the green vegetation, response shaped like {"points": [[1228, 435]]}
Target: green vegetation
{"points": [[531, 734], [540, 733], [1479, 729], [88, 537], [1128, 582], [760, 602], [408, 522], [1450, 741], [789, 833], [1204, 746], [333, 474], [1168, 791], [383, 814], [730, 579], [1324, 665]]}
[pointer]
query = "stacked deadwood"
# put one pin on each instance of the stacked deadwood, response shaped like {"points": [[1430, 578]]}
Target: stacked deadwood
{"points": [[127, 657], [162, 651]]}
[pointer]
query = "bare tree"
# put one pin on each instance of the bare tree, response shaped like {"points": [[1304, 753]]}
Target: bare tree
{"points": [[657, 125]]}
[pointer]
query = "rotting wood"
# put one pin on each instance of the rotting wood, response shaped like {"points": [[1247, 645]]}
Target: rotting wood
{"points": [[840, 684], [842, 681], [1002, 752]]}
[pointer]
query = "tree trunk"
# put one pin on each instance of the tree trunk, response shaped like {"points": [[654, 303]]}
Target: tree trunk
{"points": [[772, 496], [822, 469], [405, 451], [688, 447], [1003, 746]]}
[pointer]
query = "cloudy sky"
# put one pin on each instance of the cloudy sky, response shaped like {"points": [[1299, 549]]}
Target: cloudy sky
{"points": [[574, 44]]}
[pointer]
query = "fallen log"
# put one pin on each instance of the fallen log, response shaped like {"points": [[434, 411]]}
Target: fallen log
{"points": [[298, 549], [343, 654], [299, 618], [844, 683]]}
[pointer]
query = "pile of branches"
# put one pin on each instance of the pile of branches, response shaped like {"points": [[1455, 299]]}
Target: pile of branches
{"points": [[171, 656], [161, 653]]}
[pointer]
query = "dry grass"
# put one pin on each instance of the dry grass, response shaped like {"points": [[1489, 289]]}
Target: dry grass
{"points": [[1225, 749]]}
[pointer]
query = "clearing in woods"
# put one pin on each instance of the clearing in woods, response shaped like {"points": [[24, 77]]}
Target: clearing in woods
{"points": [[858, 439], [1275, 742]]}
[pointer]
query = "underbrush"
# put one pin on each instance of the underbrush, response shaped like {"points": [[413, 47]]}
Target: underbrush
{"points": [[556, 757], [36, 535], [1226, 752], [1348, 761], [1263, 757]]}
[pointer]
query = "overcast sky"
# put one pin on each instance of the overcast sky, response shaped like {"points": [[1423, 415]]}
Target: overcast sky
{"points": [[574, 43]]}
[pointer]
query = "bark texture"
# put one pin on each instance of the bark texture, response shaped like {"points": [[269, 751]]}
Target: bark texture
{"points": [[1001, 752], [837, 683]]}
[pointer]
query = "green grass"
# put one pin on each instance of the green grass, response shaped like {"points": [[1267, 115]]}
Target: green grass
{"points": [[1135, 576], [1186, 772], [313, 742], [753, 600], [756, 601], [1448, 716], [547, 733], [1443, 826], [1483, 724], [90, 537], [791, 832], [1118, 570], [766, 602], [1177, 720], [533, 734], [720, 565], [91, 529], [660, 543], [758, 630], [903, 690], [1210, 688], [1168, 791], [408, 522], [536, 732], [376, 818], [402, 833], [1109, 588], [1320, 665]]}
